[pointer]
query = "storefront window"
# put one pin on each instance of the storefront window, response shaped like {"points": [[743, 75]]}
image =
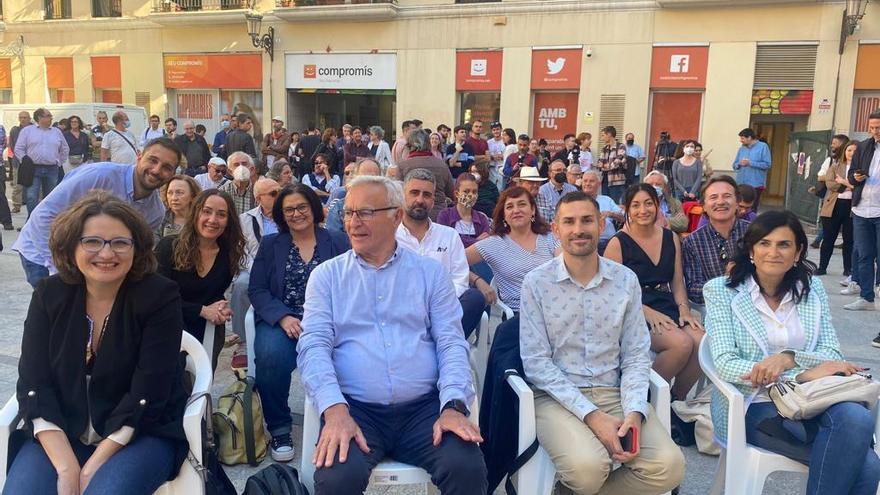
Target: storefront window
{"points": [[325, 109], [480, 106], [61, 95], [249, 102]]}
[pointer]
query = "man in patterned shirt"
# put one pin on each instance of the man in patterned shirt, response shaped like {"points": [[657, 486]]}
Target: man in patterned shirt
{"points": [[612, 164], [708, 250], [584, 347]]}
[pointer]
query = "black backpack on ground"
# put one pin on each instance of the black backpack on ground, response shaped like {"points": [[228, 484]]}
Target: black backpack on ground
{"points": [[275, 479]]}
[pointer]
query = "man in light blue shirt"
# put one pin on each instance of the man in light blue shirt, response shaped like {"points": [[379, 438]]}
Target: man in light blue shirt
{"points": [[752, 163], [386, 364], [635, 151], [136, 185], [46, 147]]}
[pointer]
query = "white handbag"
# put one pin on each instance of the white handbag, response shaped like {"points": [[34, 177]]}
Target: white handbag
{"points": [[799, 401]]}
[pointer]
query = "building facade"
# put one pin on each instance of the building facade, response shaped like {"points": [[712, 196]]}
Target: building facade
{"points": [[696, 68]]}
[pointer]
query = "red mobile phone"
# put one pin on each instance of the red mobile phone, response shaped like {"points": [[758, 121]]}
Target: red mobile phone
{"points": [[630, 441]]}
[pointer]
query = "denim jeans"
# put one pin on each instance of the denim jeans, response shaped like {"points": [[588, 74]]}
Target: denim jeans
{"points": [[616, 193], [275, 359], [866, 238], [140, 467], [473, 303], [404, 432], [45, 178], [239, 303], [840, 454], [33, 272]]}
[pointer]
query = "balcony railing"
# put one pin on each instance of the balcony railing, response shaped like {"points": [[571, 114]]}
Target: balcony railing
{"points": [[197, 5], [57, 9], [312, 3], [106, 8]]}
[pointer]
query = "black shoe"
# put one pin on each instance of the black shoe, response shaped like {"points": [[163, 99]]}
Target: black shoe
{"points": [[8, 226], [815, 245], [847, 273], [821, 271], [876, 341], [282, 448]]}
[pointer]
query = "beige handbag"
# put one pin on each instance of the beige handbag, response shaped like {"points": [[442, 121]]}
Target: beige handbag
{"points": [[799, 401]]}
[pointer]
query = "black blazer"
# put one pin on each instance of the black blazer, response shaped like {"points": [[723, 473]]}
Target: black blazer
{"points": [[137, 375], [267, 274], [861, 161]]}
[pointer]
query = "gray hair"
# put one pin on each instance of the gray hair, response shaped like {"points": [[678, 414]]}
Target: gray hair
{"points": [[239, 154], [595, 173], [378, 131], [420, 174], [274, 173], [393, 189], [574, 168], [359, 164], [653, 173], [419, 140]]}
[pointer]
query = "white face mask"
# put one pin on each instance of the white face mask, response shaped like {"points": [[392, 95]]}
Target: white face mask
{"points": [[476, 176], [689, 150]]}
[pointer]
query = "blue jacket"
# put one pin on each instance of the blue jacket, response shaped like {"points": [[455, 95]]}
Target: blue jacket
{"points": [[756, 173], [267, 273]]}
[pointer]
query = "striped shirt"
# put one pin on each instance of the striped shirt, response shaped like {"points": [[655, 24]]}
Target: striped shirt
{"points": [[510, 262]]}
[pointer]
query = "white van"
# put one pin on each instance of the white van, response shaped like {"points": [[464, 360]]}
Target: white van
{"points": [[86, 111]]}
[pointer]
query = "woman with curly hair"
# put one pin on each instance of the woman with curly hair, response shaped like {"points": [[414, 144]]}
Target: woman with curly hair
{"points": [[203, 259]]}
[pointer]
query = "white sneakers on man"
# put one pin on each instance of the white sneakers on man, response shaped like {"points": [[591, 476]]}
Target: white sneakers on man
{"points": [[860, 305], [851, 289]]}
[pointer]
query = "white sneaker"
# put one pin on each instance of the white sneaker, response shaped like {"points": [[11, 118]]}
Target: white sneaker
{"points": [[860, 305], [851, 289], [845, 282]]}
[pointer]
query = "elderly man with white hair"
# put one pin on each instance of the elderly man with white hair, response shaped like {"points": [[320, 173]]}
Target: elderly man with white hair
{"points": [[215, 176], [241, 187], [392, 380], [119, 145], [673, 217], [194, 148], [591, 184], [255, 223]]}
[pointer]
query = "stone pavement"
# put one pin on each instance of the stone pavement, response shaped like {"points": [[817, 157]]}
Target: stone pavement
{"points": [[855, 330]]}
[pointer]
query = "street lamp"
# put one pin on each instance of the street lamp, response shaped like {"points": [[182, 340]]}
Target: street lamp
{"points": [[266, 41], [852, 14]]}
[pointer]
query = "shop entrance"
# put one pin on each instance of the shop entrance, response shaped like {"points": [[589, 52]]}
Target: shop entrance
{"points": [[777, 135], [333, 108]]}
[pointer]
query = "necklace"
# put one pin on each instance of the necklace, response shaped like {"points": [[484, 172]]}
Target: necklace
{"points": [[90, 353]]}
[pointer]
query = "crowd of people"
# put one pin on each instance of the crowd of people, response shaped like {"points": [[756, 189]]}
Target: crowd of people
{"points": [[369, 266]]}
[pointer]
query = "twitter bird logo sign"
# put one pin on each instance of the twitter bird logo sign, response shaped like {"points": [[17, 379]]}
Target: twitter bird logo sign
{"points": [[555, 66]]}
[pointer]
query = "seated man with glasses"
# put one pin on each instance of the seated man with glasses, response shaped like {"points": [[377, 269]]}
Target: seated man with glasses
{"points": [[707, 252], [383, 357]]}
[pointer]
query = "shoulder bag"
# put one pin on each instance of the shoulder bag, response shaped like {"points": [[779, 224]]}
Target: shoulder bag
{"points": [[799, 401]]}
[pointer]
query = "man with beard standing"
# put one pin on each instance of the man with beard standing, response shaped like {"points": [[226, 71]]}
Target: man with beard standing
{"points": [[418, 233], [138, 186]]}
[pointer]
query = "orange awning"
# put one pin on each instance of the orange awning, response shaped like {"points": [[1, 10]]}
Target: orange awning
{"points": [[59, 72], [5, 73], [867, 68], [106, 72]]}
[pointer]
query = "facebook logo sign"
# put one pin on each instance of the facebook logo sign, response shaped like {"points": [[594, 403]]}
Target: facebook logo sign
{"points": [[679, 63]]}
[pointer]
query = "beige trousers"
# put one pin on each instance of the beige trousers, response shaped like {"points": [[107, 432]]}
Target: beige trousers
{"points": [[584, 465]]}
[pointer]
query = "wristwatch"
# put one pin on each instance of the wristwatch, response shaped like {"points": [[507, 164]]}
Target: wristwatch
{"points": [[458, 405]]}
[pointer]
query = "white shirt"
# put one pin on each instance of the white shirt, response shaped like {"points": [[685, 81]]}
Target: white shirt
{"points": [[784, 329], [151, 134], [443, 244], [606, 204], [869, 205], [205, 182], [848, 193], [497, 146], [121, 151]]}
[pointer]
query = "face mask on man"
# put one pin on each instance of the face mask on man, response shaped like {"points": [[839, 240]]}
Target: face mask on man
{"points": [[688, 150], [468, 200], [560, 178], [630, 142], [224, 124], [127, 124], [659, 191]]}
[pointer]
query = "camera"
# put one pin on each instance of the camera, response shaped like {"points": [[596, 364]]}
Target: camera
{"points": [[589, 52]]}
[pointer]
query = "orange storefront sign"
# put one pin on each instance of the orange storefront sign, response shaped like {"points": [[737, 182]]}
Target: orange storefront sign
{"points": [[556, 69], [675, 67], [555, 115], [478, 71], [868, 68], [208, 71]]}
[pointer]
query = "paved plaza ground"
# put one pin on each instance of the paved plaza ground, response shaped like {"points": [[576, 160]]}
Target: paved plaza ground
{"points": [[855, 330]]}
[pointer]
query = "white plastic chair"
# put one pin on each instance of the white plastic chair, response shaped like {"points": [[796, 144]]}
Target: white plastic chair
{"points": [[748, 465], [538, 475], [387, 472], [188, 481], [250, 333]]}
